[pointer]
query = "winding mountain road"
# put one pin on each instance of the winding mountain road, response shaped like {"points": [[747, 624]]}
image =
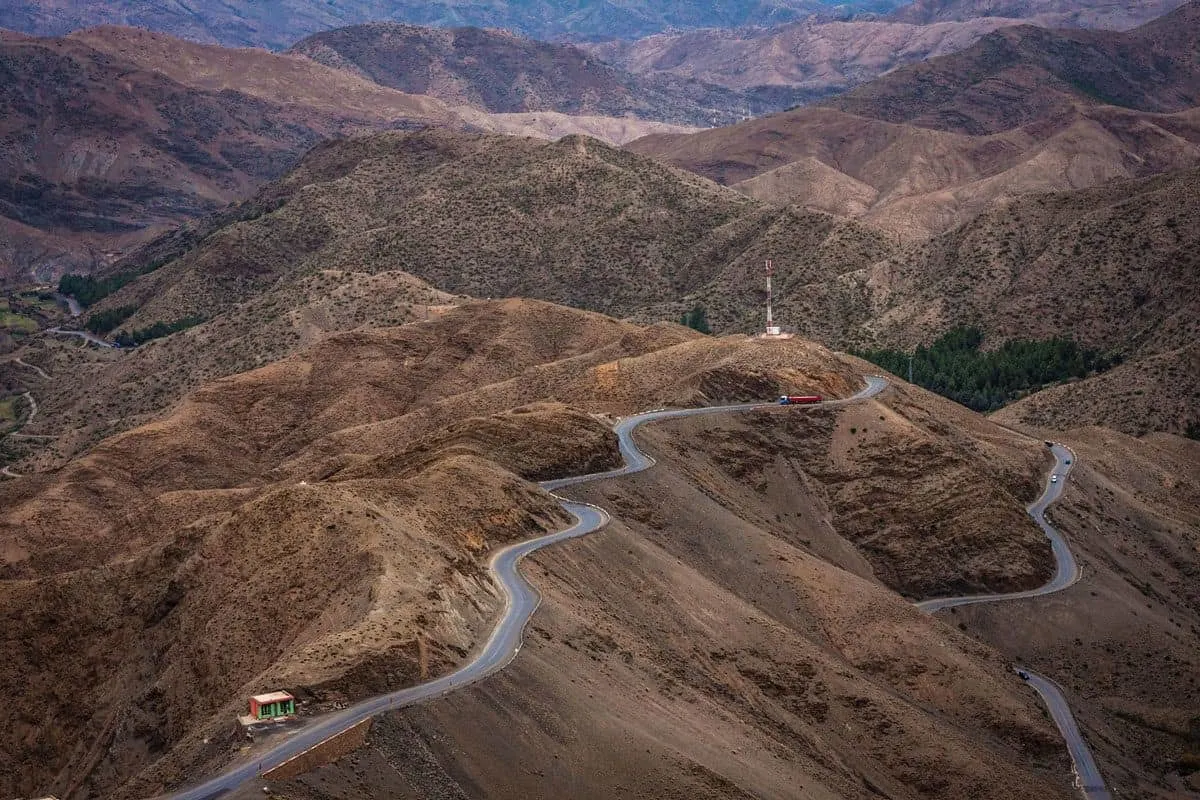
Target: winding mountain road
{"points": [[82, 335], [521, 600], [1066, 573], [33, 367]]}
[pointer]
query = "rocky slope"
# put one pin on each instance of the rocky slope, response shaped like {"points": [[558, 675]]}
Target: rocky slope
{"points": [[306, 505], [1024, 75], [112, 134], [504, 73]]}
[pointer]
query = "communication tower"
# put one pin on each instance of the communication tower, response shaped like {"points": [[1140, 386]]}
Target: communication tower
{"points": [[772, 328]]}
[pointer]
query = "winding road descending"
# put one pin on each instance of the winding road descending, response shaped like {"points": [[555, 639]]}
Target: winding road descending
{"points": [[1066, 570], [521, 600], [1066, 573], [82, 335]]}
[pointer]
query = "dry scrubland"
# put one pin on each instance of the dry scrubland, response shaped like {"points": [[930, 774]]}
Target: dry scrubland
{"points": [[735, 642], [931, 145], [1124, 641], [292, 525], [332, 246], [735, 646], [321, 524]]}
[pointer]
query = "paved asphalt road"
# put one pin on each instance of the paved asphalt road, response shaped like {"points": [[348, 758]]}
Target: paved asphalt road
{"points": [[1066, 573], [82, 335], [521, 600], [1067, 570], [1087, 775]]}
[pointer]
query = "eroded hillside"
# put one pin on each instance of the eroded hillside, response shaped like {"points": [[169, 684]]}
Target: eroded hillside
{"points": [[315, 504], [930, 145]]}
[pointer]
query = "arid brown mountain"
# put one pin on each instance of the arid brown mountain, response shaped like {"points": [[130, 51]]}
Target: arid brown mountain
{"points": [[330, 247], [495, 216], [931, 145], [501, 72], [1114, 266], [321, 524], [788, 65], [279, 25], [781, 67], [96, 150], [1049, 13], [1024, 75], [112, 134], [915, 182]]}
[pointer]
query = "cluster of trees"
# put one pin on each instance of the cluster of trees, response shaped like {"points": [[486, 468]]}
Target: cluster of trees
{"points": [[88, 289], [955, 367], [102, 322], [696, 319], [156, 331]]}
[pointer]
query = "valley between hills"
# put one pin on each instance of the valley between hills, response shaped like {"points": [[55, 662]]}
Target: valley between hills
{"points": [[342, 313]]}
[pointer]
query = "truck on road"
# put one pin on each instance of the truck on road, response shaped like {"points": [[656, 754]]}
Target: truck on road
{"points": [[799, 399]]}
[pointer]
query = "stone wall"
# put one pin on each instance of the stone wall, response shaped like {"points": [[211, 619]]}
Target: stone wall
{"points": [[321, 754]]}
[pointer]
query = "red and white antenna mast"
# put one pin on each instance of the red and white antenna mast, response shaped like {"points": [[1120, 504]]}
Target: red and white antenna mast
{"points": [[772, 328]]}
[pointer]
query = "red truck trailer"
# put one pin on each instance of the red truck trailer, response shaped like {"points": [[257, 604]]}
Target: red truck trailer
{"points": [[799, 399]]}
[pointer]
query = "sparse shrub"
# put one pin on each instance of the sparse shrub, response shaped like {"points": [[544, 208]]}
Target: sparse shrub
{"points": [[696, 319]]}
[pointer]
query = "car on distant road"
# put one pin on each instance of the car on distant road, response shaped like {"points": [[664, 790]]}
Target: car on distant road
{"points": [[1054, 479], [1023, 674]]}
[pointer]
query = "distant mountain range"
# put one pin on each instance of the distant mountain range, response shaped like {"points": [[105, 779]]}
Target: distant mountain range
{"points": [[1067, 13], [112, 134], [503, 73], [931, 145], [781, 66], [279, 25]]}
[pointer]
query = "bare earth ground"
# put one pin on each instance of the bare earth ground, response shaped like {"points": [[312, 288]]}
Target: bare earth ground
{"points": [[319, 524], [291, 526], [1124, 640], [695, 649]]}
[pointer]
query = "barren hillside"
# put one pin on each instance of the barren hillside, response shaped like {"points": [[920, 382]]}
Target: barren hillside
{"points": [[339, 503], [504, 73], [1123, 642], [97, 150], [1022, 75]]}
